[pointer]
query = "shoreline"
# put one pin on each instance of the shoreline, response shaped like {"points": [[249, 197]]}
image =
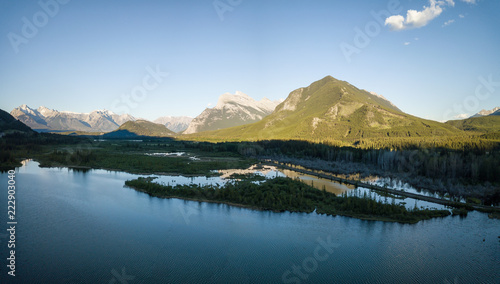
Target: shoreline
{"points": [[212, 201], [122, 170]]}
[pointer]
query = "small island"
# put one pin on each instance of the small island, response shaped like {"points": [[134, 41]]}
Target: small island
{"points": [[286, 194]]}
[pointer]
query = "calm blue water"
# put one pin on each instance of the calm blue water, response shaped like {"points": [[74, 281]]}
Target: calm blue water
{"points": [[78, 227]]}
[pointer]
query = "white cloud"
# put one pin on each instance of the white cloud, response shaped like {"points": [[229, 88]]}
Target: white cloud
{"points": [[407, 43], [395, 22], [450, 2], [449, 22], [418, 19], [461, 116], [461, 16], [470, 1]]}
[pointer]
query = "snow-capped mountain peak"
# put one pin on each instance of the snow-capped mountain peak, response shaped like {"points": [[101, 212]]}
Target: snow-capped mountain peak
{"points": [[26, 109], [46, 111], [237, 98], [484, 112], [231, 110]]}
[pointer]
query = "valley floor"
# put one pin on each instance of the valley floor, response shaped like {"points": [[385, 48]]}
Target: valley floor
{"points": [[167, 156]]}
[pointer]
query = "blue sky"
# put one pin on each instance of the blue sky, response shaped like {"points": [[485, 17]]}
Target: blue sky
{"points": [[86, 55]]}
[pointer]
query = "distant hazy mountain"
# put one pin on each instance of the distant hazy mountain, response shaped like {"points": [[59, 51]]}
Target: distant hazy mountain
{"points": [[137, 128], [175, 123], [231, 110], [485, 121], [483, 124], [9, 124], [44, 119], [495, 111], [330, 109]]}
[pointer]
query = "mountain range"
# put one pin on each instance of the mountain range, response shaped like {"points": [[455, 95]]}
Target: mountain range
{"points": [[175, 123], [45, 119], [231, 110], [327, 110], [330, 109]]}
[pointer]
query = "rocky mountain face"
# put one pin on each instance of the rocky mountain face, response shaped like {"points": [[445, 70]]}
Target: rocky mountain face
{"points": [[495, 111], [231, 110], [45, 119], [175, 123]]}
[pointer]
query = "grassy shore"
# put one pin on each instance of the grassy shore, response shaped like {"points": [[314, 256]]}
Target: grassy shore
{"points": [[139, 157]]}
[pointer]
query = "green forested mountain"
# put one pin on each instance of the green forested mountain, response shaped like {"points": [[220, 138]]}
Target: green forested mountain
{"points": [[334, 110], [140, 128]]}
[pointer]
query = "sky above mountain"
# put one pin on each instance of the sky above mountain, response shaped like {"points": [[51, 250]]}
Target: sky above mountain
{"points": [[434, 59]]}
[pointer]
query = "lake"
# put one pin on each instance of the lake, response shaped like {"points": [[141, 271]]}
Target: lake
{"points": [[86, 227]]}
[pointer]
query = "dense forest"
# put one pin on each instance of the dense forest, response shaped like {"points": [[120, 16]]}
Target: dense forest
{"points": [[473, 165], [473, 171]]}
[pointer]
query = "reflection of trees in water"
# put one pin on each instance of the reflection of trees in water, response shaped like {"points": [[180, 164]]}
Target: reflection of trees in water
{"points": [[319, 183]]}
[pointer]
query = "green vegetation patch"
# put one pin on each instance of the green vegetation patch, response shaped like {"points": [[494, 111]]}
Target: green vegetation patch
{"points": [[285, 194], [248, 177], [121, 155], [134, 162]]}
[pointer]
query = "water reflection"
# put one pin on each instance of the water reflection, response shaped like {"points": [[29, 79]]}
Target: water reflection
{"points": [[316, 182], [267, 171], [320, 183], [272, 172], [78, 227]]}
